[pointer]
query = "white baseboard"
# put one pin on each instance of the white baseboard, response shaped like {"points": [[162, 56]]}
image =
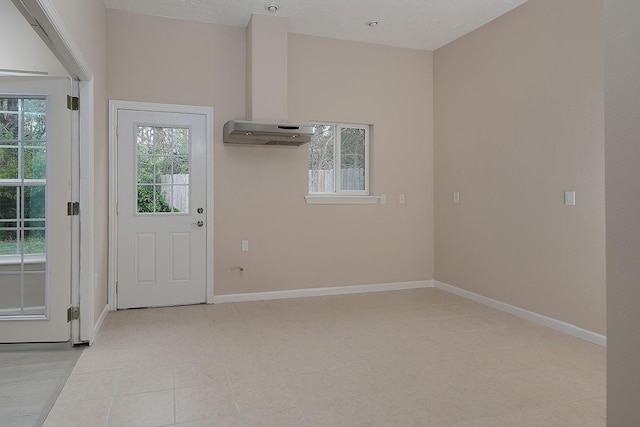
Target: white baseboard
{"points": [[315, 292], [98, 325], [531, 316]]}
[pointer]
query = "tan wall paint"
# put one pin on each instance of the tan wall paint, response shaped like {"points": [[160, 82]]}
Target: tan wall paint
{"points": [[519, 119], [390, 88], [259, 190], [622, 150], [28, 52], [86, 21]]}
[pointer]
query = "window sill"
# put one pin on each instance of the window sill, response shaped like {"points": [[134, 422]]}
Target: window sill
{"points": [[340, 199], [16, 259]]}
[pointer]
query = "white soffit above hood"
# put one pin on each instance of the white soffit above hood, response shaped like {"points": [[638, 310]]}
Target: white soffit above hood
{"points": [[418, 24]]}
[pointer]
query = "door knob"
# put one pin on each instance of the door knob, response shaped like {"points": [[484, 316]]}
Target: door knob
{"points": [[199, 223], [200, 210]]}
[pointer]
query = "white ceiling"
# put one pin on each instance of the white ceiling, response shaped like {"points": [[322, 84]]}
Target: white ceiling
{"points": [[418, 24]]}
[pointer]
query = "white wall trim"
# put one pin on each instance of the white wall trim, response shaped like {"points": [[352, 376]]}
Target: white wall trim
{"points": [[35, 312], [76, 264], [112, 264], [114, 107], [316, 292], [98, 324], [47, 23], [340, 199], [531, 316], [87, 248]]}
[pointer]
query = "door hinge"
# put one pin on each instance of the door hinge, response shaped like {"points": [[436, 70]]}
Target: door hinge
{"points": [[73, 208], [73, 103], [73, 313]]}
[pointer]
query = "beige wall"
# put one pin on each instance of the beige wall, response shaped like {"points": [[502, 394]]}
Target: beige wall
{"points": [[28, 52], [266, 68], [259, 190], [86, 21], [391, 89], [519, 119], [622, 150]]}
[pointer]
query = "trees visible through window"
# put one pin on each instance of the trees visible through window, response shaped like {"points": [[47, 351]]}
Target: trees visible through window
{"points": [[339, 160], [162, 169], [23, 155]]}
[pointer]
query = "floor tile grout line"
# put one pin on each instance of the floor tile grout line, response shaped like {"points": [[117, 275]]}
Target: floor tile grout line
{"points": [[106, 421], [233, 393], [173, 390], [287, 315]]}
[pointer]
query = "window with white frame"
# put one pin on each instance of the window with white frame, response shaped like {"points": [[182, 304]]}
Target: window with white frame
{"points": [[339, 160], [23, 157]]}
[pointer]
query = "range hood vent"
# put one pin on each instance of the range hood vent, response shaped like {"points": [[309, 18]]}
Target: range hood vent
{"points": [[255, 133]]}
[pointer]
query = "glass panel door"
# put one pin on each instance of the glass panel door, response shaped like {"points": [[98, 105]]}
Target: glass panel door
{"points": [[35, 230]]}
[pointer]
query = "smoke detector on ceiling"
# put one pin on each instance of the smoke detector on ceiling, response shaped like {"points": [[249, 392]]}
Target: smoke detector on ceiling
{"points": [[272, 7], [373, 23]]}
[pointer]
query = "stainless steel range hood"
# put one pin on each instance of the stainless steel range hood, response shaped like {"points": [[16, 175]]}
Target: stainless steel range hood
{"points": [[256, 133], [267, 85]]}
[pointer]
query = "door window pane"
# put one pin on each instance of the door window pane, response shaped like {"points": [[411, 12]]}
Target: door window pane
{"points": [[34, 127], [34, 163], [162, 169], [8, 162], [146, 169], [9, 120]]}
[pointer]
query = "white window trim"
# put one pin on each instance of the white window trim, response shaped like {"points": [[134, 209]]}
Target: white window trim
{"points": [[340, 199], [17, 259], [345, 197]]}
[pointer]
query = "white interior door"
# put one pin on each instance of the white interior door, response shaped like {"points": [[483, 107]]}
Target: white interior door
{"points": [[35, 230], [161, 208]]}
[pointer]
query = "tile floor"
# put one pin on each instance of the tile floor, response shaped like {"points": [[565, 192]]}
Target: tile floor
{"points": [[31, 376], [404, 358]]}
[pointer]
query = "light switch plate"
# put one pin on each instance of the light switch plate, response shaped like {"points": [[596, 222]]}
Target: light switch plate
{"points": [[401, 199], [383, 199], [245, 246], [456, 197]]}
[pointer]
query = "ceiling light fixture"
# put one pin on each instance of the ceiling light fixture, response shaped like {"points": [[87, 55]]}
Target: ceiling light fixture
{"points": [[373, 23], [272, 7]]}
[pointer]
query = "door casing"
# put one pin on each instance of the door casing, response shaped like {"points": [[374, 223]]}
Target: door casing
{"points": [[114, 107], [47, 23], [60, 270]]}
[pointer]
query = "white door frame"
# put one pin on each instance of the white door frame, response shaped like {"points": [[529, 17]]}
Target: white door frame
{"points": [[114, 107], [47, 23]]}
